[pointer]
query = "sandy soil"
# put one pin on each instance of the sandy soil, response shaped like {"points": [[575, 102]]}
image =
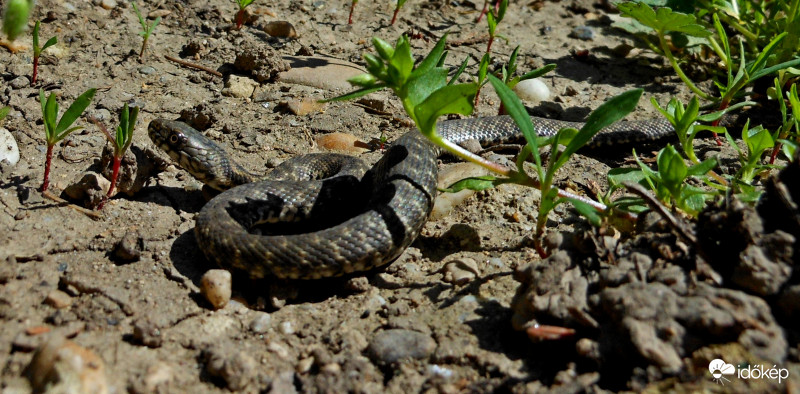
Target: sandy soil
{"points": [[648, 312]]}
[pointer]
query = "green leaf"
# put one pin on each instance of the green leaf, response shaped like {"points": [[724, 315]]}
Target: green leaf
{"points": [[36, 38], [384, 49], [761, 60], [459, 71], [587, 211], [355, 94], [420, 86], [50, 116], [772, 69], [664, 19], [618, 176], [702, 168], [759, 140], [402, 63], [477, 183], [52, 41], [517, 111], [450, 99], [363, 80], [671, 168], [74, 111], [538, 72], [606, 114], [429, 63], [4, 112]]}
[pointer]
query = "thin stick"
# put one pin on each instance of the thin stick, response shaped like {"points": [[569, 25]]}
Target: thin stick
{"points": [[194, 65], [61, 201], [683, 230]]}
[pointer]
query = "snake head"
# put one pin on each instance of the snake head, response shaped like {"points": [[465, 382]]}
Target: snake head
{"points": [[197, 154]]}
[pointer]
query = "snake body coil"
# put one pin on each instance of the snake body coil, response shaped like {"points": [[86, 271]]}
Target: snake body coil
{"points": [[341, 217]]}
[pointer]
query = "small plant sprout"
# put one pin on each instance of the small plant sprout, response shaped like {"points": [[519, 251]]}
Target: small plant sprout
{"points": [[352, 7], [147, 28], [494, 18], [56, 131], [240, 14], [121, 143], [37, 51], [15, 18], [397, 7]]}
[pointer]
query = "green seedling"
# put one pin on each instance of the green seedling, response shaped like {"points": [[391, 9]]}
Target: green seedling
{"points": [[15, 18], [56, 131], [669, 181], [426, 95], [240, 14], [790, 126], [758, 141], [511, 79], [121, 142], [483, 72], [494, 17], [3, 113], [37, 51], [396, 10], [147, 28]]}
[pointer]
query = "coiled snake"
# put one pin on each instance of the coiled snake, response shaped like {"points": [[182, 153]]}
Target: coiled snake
{"points": [[335, 215]]}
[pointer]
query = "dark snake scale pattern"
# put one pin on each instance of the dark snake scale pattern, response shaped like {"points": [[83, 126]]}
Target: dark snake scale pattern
{"points": [[336, 215]]}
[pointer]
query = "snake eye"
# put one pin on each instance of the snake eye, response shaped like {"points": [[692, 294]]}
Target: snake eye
{"points": [[173, 139]]}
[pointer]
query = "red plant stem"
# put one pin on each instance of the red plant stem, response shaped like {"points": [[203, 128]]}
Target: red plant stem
{"points": [[239, 19], [489, 44], [394, 17], [35, 70], [722, 106], [48, 158], [114, 174], [350, 17], [484, 11]]}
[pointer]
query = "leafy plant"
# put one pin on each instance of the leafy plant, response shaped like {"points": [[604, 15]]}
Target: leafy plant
{"points": [[56, 129], [3, 113], [240, 14], [758, 141], [426, 95], [15, 18], [790, 119], [37, 51], [121, 142], [147, 28]]}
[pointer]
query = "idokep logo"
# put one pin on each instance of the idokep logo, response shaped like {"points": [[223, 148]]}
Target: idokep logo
{"points": [[719, 368]]}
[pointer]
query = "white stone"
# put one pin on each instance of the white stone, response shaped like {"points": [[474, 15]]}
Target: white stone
{"points": [[532, 90], [9, 151]]}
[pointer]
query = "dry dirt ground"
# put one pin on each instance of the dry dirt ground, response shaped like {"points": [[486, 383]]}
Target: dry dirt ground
{"points": [[449, 315]]}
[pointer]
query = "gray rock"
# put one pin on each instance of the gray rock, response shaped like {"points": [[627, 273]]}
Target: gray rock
{"points": [[391, 346], [261, 323], [147, 70], [585, 33], [9, 151], [20, 82]]}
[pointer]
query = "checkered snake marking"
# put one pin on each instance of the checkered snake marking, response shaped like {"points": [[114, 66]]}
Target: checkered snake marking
{"points": [[323, 215]]}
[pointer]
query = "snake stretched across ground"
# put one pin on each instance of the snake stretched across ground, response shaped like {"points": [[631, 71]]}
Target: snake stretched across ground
{"points": [[324, 215]]}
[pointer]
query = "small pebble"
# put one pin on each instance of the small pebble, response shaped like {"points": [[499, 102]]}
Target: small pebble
{"points": [[391, 346], [287, 328], [147, 70], [9, 151], [91, 188], [280, 29], [58, 299], [157, 379], [532, 90], [108, 4], [129, 248], [20, 82], [238, 86], [216, 287], [158, 14], [341, 142], [61, 366], [585, 33], [261, 323], [461, 271], [147, 333], [305, 106]]}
